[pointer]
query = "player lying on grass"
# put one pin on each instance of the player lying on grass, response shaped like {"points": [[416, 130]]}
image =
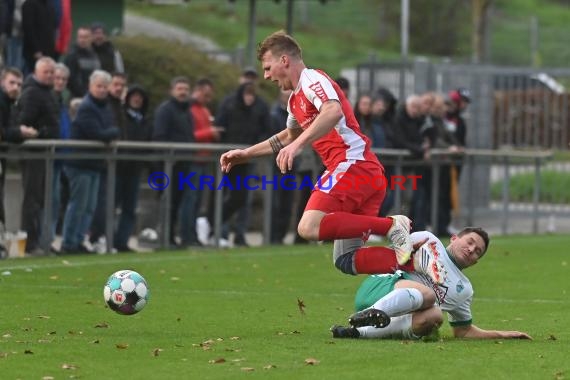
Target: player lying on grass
{"points": [[409, 305]]}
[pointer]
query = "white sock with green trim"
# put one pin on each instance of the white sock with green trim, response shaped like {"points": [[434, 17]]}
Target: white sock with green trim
{"points": [[400, 301]]}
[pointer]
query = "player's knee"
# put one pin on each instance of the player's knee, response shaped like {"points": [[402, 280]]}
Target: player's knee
{"points": [[345, 263], [426, 321], [307, 231]]}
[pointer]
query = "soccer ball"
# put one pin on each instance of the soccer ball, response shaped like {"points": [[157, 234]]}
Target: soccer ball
{"points": [[126, 292]]}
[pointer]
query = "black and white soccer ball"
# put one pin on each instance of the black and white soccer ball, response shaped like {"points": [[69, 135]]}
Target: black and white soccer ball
{"points": [[126, 292]]}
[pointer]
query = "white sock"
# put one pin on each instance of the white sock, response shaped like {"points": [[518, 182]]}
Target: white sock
{"points": [[400, 301], [399, 328]]}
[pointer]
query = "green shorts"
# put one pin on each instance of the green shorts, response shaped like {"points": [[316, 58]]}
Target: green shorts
{"points": [[375, 287]]}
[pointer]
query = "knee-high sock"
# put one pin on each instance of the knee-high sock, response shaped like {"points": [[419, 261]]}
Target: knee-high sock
{"points": [[399, 328], [400, 301], [344, 225], [377, 260]]}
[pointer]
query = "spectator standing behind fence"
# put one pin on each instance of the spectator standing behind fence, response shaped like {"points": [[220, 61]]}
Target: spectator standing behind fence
{"points": [[12, 31], [383, 110], [60, 188], [454, 121], [39, 26], [109, 57], [138, 127], [204, 132], [282, 198], [81, 61], [115, 100], [443, 139], [37, 108], [246, 121], [407, 135], [173, 123], [363, 114], [64, 29], [344, 85], [242, 218], [94, 121], [11, 87]]}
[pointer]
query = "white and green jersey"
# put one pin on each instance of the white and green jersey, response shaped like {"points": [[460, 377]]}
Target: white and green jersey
{"points": [[455, 295]]}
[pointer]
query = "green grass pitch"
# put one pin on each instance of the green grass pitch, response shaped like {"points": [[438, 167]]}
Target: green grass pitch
{"points": [[235, 314]]}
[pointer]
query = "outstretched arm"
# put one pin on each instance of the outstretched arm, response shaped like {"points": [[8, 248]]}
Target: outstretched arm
{"points": [[239, 156], [475, 332]]}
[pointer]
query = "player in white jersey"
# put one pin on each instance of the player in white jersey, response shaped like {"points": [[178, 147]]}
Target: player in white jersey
{"points": [[410, 305], [344, 206]]}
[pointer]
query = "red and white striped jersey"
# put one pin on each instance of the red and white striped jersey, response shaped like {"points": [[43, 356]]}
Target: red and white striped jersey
{"points": [[344, 142]]}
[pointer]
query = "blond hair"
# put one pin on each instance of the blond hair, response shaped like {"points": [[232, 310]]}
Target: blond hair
{"points": [[279, 43]]}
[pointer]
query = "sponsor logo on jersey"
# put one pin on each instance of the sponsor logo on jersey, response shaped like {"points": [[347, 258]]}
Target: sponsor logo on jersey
{"points": [[440, 291], [303, 105], [459, 287], [319, 91]]}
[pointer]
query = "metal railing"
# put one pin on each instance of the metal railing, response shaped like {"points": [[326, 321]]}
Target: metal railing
{"points": [[476, 165]]}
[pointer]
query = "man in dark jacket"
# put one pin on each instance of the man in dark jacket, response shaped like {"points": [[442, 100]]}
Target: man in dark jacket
{"points": [[246, 119], [138, 127], [11, 86], [37, 108], [173, 122], [81, 61], [39, 26], [109, 56], [94, 121], [115, 100]]}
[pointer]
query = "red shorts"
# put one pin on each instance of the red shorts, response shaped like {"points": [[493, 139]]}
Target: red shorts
{"points": [[357, 187]]}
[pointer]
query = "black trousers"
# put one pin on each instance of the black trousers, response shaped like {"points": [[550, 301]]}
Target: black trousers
{"points": [[33, 181]]}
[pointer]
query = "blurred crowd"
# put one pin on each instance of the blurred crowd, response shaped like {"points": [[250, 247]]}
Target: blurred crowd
{"points": [[83, 93]]}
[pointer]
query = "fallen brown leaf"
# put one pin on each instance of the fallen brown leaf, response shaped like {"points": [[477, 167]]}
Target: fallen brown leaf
{"points": [[96, 341], [270, 366], [69, 366], [235, 338], [3, 355], [551, 337], [248, 369], [301, 305], [156, 351], [311, 361], [52, 333], [122, 346], [102, 325], [217, 361]]}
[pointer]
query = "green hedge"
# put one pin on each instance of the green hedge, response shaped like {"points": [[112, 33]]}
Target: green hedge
{"points": [[152, 63], [555, 187]]}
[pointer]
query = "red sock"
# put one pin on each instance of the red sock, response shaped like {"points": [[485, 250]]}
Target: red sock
{"points": [[378, 260], [344, 225]]}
